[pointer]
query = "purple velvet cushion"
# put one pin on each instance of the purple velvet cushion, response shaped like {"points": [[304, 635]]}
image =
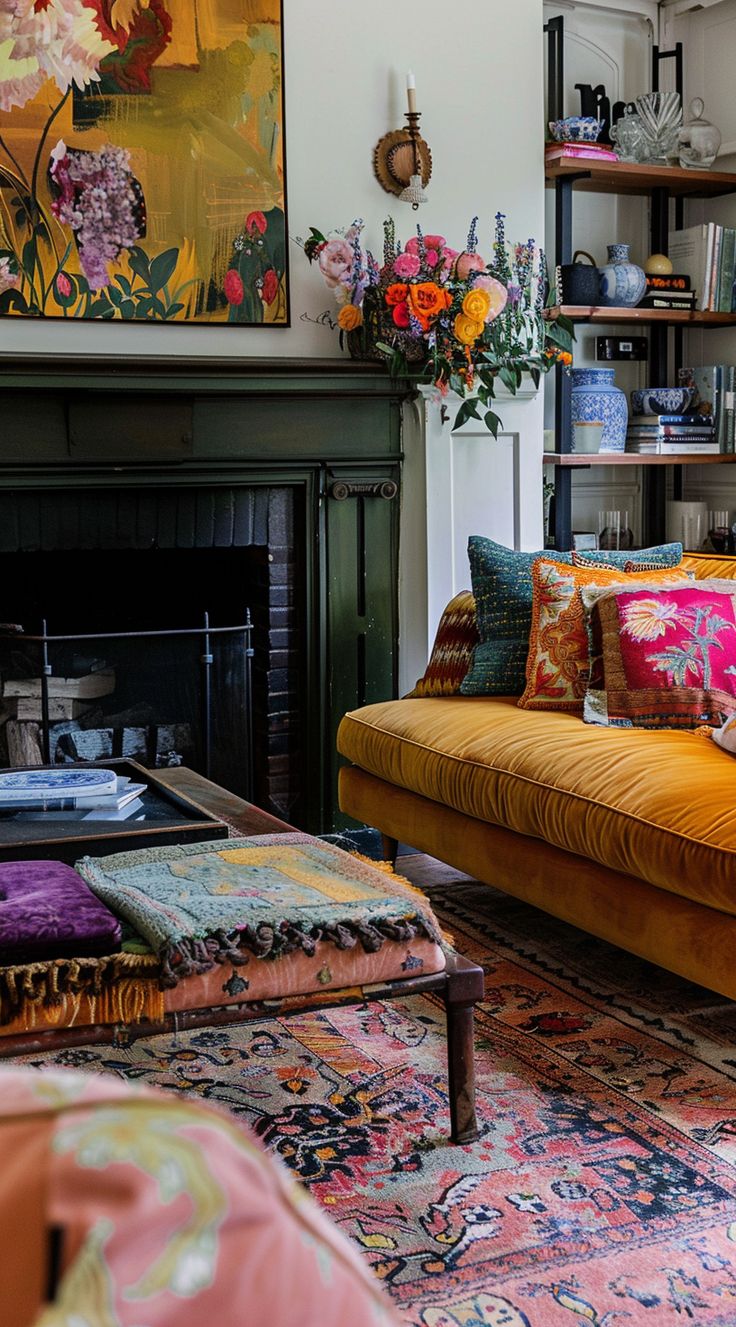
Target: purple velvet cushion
{"points": [[47, 911]]}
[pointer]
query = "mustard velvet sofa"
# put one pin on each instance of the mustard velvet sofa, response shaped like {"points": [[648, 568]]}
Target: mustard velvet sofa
{"points": [[629, 834]]}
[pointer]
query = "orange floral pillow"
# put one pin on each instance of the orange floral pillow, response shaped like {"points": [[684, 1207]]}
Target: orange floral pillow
{"points": [[558, 666]]}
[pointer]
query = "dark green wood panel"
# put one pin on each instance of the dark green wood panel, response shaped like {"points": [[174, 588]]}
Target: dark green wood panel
{"points": [[362, 614], [294, 427]]}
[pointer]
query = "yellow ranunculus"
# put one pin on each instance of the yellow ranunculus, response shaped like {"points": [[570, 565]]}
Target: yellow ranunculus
{"points": [[477, 305], [467, 330], [349, 318]]}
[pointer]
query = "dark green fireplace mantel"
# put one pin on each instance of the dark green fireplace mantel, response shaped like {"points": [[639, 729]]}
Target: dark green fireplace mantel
{"points": [[328, 429]]}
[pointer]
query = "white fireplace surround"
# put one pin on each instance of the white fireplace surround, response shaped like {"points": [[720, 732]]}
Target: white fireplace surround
{"points": [[457, 483]]}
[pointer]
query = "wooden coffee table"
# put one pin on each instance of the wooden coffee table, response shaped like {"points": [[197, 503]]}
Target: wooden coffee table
{"points": [[460, 985]]}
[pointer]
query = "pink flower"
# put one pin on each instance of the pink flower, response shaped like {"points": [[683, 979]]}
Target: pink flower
{"points": [[63, 285], [9, 280], [234, 292], [467, 263], [55, 39], [406, 266], [335, 261], [255, 222], [97, 196], [497, 291], [431, 242], [448, 257]]}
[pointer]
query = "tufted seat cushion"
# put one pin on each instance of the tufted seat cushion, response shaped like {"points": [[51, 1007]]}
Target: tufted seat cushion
{"points": [[654, 805]]}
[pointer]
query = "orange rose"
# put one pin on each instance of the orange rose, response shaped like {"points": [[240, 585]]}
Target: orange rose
{"points": [[477, 304], [349, 318], [396, 294], [466, 329], [427, 299]]}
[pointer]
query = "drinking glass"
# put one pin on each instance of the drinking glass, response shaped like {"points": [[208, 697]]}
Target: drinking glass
{"points": [[718, 530], [614, 531], [693, 530]]}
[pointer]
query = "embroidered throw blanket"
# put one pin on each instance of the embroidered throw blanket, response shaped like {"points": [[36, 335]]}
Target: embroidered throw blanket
{"points": [[203, 903]]}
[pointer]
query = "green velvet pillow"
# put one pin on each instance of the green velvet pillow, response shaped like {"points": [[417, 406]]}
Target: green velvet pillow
{"points": [[502, 587]]}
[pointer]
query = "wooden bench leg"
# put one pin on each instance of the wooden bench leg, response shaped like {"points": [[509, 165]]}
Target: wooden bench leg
{"points": [[463, 990], [389, 849]]}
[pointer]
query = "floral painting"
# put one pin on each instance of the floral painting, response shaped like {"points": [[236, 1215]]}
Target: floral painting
{"points": [[142, 161]]}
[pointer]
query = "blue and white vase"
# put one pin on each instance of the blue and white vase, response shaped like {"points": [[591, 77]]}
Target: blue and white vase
{"points": [[596, 396], [622, 282]]}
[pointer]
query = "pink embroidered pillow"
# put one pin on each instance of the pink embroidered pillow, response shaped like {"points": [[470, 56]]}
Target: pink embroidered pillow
{"points": [[662, 657]]}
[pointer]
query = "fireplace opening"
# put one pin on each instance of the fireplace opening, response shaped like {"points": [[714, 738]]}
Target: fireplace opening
{"points": [[161, 571]]}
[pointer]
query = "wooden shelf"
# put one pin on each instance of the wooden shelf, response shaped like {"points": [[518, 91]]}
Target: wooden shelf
{"points": [[626, 177], [599, 313], [634, 458]]}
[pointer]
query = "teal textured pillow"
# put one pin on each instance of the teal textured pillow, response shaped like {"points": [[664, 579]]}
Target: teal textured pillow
{"points": [[502, 587]]}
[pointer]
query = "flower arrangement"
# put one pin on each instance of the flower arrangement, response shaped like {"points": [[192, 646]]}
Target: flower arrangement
{"points": [[469, 322]]}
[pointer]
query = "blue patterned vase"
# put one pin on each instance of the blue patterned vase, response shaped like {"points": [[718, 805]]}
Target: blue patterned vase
{"points": [[596, 396], [622, 282]]}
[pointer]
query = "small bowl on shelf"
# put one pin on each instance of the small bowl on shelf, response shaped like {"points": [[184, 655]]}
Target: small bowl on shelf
{"points": [[576, 129], [661, 400]]}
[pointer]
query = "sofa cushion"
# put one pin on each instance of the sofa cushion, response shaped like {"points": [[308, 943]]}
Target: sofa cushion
{"points": [[705, 566], [452, 651], [653, 804], [667, 658], [502, 587], [47, 911], [558, 666]]}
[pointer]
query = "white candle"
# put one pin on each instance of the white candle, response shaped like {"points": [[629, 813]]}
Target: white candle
{"points": [[411, 91]]}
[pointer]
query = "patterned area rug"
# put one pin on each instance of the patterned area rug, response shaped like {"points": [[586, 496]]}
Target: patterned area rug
{"points": [[603, 1188]]}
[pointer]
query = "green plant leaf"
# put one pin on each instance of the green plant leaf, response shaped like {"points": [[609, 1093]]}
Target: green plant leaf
{"points": [[139, 263], [124, 283], [162, 268], [13, 300], [492, 422]]}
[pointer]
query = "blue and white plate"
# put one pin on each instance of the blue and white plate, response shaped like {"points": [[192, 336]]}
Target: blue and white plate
{"points": [[47, 784]]}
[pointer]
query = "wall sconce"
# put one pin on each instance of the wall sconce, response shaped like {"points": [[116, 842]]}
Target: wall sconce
{"points": [[402, 160]]}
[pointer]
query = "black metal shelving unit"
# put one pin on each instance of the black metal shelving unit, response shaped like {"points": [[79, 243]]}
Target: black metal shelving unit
{"points": [[663, 185]]}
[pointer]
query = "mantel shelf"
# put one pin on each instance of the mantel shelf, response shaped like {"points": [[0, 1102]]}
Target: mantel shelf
{"points": [[626, 177], [582, 313], [635, 458]]}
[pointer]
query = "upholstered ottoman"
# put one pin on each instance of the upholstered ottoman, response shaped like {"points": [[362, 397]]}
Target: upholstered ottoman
{"points": [[240, 929]]}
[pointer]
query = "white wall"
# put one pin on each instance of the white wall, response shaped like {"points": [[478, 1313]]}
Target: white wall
{"points": [[478, 68]]}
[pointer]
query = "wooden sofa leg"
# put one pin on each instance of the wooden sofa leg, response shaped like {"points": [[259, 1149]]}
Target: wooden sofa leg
{"points": [[389, 849], [463, 990]]}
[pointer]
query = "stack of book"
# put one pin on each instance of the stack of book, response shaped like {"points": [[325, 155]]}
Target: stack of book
{"points": [[669, 292], [53, 795], [707, 253], [713, 388], [554, 152], [670, 435]]}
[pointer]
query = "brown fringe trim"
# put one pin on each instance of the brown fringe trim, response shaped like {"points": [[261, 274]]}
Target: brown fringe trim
{"points": [[51, 983], [194, 956]]}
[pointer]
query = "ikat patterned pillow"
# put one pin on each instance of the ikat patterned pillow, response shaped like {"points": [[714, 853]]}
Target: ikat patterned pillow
{"points": [[502, 588], [452, 651], [663, 658]]}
